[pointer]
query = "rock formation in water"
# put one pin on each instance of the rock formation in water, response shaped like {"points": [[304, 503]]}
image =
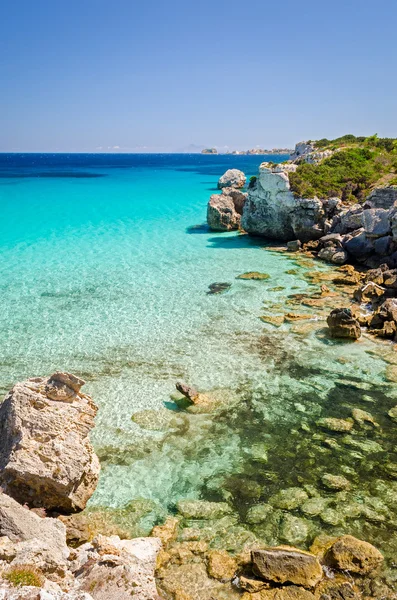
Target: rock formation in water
{"points": [[232, 178], [46, 458]]}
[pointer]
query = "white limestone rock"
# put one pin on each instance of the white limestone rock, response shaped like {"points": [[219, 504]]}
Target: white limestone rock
{"points": [[46, 458], [232, 178]]}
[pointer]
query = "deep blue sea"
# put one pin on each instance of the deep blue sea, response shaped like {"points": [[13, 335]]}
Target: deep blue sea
{"points": [[105, 266]]}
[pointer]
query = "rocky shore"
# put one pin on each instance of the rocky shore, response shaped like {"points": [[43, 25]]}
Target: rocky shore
{"points": [[362, 234], [199, 553]]}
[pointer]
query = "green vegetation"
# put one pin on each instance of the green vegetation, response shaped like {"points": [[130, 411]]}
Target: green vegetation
{"points": [[358, 165], [24, 575]]}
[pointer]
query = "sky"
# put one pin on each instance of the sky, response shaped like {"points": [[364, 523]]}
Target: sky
{"points": [[162, 75]]}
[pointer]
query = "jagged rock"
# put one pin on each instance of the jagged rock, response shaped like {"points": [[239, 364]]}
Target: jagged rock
{"points": [[382, 197], [302, 149], [239, 198], [383, 246], [232, 178], [368, 292], [376, 222], [350, 554], [272, 211], [186, 390], [342, 324], [284, 564], [46, 458], [222, 214], [359, 246], [362, 416], [333, 254], [348, 220], [117, 569]]}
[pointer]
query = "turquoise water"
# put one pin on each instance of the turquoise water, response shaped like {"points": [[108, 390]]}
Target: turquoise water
{"points": [[104, 274]]}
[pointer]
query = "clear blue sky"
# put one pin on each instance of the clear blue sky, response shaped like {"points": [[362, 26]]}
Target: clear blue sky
{"points": [[88, 75]]}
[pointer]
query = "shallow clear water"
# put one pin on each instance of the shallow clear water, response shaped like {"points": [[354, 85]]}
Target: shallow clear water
{"points": [[103, 274]]}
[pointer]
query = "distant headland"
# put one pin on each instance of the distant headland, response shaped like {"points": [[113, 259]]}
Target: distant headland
{"points": [[252, 151]]}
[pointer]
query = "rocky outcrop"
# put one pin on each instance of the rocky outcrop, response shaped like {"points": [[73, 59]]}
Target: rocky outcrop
{"points": [[272, 210], [350, 554], [382, 197], [46, 458], [224, 210], [285, 564], [232, 178], [118, 569], [342, 324]]}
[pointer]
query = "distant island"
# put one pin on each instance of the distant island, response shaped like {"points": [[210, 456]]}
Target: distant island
{"points": [[252, 151]]}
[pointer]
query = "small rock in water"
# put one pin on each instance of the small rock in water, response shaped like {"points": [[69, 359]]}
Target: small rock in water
{"points": [[275, 320], [200, 509], [287, 565], [218, 287], [314, 506], [361, 416], [294, 246], [259, 513], [350, 554], [393, 413], [342, 324], [331, 516], [221, 565], [333, 424], [189, 392], [335, 482], [294, 530], [253, 275], [289, 498]]}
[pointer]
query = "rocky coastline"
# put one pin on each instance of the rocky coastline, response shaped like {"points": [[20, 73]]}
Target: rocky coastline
{"points": [[38, 521], [362, 235]]}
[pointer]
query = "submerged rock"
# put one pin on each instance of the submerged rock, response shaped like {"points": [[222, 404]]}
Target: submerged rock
{"points": [[201, 509], [220, 565], [294, 530], [219, 287], [335, 482], [342, 324], [186, 390], [350, 554], [334, 424], [46, 458], [284, 564], [253, 275], [289, 498]]}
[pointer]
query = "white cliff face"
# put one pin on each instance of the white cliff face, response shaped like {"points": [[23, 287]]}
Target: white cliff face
{"points": [[302, 149], [273, 212]]}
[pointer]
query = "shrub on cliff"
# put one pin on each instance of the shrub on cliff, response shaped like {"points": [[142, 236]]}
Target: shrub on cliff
{"points": [[349, 173]]}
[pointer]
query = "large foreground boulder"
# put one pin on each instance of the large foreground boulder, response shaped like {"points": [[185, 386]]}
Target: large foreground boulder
{"points": [[232, 178], [350, 554], [46, 458]]}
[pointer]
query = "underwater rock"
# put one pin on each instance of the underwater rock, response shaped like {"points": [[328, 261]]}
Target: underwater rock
{"points": [[219, 287], [46, 458], [331, 516], [167, 532], [233, 178], [362, 416], [258, 513], [289, 498], [275, 320], [314, 506], [294, 530], [334, 424], [342, 324], [284, 564], [186, 390], [201, 509], [350, 554], [220, 565], [393, 413], [253, 275], [335, 482]]}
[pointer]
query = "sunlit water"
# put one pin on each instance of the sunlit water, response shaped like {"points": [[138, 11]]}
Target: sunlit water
{"points": [[103, 274]]}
